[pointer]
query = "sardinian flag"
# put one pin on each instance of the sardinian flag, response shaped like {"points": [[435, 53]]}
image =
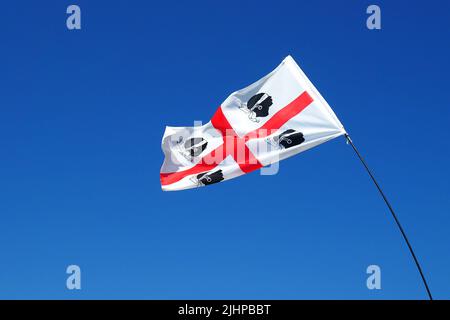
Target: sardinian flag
{"points": [[276, 117]]}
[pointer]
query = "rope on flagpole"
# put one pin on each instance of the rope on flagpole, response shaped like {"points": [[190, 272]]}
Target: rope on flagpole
{"points": [[349, 140]]}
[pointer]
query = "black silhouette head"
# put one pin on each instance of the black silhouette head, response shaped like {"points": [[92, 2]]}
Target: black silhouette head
{"points": [[260, 104], [195, 146], [290, 138], [210, 178]]}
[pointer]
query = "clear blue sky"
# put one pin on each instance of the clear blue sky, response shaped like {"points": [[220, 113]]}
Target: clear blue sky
{"points": [[83, 113]]}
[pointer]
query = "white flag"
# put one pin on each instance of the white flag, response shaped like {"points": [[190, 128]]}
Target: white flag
{"points": [[276, 117]]}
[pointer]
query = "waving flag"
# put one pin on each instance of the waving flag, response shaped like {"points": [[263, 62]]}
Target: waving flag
{"points": [[276, 117]]}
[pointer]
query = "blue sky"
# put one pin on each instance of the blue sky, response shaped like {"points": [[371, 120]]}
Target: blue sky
{"points": [[83, 113]]}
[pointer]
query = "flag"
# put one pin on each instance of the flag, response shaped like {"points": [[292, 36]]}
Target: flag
{"points": [[276, 117]]}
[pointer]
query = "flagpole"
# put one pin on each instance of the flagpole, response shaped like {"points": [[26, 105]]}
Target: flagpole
{"points": [[349, 140]]}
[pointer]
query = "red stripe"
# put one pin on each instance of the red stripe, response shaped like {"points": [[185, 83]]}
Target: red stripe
{"points": [[233, 143], [273, 124], [206, 163], [283, 116], [220, 122], [237, 148]]}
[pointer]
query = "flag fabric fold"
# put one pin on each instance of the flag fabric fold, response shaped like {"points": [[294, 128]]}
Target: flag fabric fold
{"points": [[276, 117]]}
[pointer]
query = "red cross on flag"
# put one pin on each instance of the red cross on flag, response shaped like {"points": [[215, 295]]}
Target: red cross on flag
{"points": [[274, 118]]}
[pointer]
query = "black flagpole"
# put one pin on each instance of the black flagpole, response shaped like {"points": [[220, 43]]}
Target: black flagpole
{"points": [[349, 140]]}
